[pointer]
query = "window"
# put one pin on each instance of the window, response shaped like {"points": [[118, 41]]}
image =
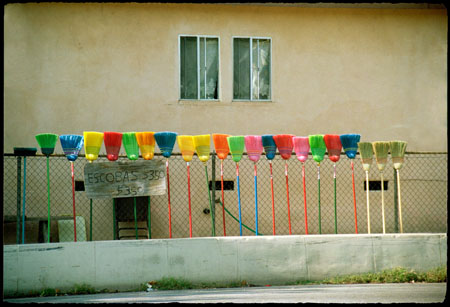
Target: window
{"points": [[251, 68], [199, 67]]}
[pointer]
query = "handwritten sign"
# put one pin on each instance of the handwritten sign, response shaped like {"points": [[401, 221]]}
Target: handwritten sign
{"points": [[124, 179]]}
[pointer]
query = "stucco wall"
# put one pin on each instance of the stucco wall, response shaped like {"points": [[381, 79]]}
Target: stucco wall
{"points": [[76, 67]]}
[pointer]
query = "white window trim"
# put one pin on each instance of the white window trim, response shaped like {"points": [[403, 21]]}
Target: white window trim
{"points": [[198, 67], [251, 73]]}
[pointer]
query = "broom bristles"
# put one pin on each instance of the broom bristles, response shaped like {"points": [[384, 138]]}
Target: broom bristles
{"points": [[269, 145], [92, 144], [318, 147], [350, 144], [254, 147], [301, 147], [47, 142], [381, 150], [71, 145], [398, 149], [166, 141], [130, 144], [146, 142], [113, 142], [236, 145], [284, 144], [202, 146], [366, 154], [187, 148], [334, 146], [221, 145]]}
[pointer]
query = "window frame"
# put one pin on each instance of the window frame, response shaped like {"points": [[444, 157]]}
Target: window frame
{"points": [[198, 68], [251, 72]]}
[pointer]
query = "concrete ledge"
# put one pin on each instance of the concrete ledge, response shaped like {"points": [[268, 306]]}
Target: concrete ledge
{"points": [[260, 260]]}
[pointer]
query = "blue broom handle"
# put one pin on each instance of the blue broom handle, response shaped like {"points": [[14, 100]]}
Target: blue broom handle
{"points": [[24, 193], [256, 202], [239, 199]]}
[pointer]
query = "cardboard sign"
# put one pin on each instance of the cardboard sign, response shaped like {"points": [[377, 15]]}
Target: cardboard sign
{"points": [[124, 179]]}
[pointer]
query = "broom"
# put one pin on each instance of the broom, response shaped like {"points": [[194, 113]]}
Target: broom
{"points": [[187, 148], [301, 148], [318, 149], [236, 145], [131, 147], [398, 149], [222, 150], [381, 150], [113, 141], [285, 145], [270, 149], [166, 141], [366, 154], [71, 145], [254, 147], [92, 144], [334, 146], [202, 146], [47, 142], [350, 145]]}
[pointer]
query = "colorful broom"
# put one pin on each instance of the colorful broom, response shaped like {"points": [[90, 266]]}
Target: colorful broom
{"points": [[366, 154], [270, 149], [187, 148], [334, 146], [202, 146], [285, 146], [398, 149], [166, 141], [222, 150], [146, 142], [92, 144], [71, 145], [318, 149], [236, 145], [131, 147], [381, 150], [301, 148], [47, 142], [350, 145], [254, 147]]}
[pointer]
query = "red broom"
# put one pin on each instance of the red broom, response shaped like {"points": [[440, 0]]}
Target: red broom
{"points": [[334, 147]]}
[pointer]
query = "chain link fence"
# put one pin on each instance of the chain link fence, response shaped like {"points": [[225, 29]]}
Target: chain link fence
{"points": [[423, 179]]}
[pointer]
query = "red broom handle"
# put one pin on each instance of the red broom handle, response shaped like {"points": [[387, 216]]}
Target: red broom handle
{"points": [[168, 197], [304, 198], [287, 193], [273, 203], [223, 200], [73, 196], [189, 196], [354, 198]]}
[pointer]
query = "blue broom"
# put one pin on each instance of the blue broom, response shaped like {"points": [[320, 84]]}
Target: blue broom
{"points": [[270, 149], [166, 141]]}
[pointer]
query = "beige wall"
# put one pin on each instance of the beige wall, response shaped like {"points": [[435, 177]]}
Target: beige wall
{"points": [[74, 67]]}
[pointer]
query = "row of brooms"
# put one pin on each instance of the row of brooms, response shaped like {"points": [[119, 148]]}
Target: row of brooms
{"points": [[225, 144]]}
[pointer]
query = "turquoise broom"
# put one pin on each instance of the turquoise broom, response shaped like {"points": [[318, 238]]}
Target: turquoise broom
{"points": [[270, 149]]}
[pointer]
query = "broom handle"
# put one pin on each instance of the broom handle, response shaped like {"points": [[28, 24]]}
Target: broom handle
{"points": [[354, 197], [73, 197], [318, 180], [24, 194], [48, 199], [256, 203], [90, 219], [114, 219], [149, 219], [304, 197], [273, 202], [239, 199], [223, 200], [382, 201], [335, 207], [213, 226], [287, 194], [135, 218], [368, 207], [399, 202], [189, 198], [168, 198]]}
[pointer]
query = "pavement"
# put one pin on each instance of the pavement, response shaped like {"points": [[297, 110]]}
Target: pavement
{"points": [[356, 293]]}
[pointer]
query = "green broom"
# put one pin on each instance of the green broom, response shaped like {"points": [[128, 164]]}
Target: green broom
{"points": [[398, 149], [47, 142], [381, 150], [366, 154], [318, 149]]}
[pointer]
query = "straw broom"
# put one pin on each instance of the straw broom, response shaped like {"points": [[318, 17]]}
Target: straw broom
{"points": [[187, 148], [318, 149], [236, 145], [270, 149], [381, 150], [398, 149], [254, 147], [301, 147], [366, 154]]}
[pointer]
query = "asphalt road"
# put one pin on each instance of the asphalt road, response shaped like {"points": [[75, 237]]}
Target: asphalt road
{"points": [[361, 293]]}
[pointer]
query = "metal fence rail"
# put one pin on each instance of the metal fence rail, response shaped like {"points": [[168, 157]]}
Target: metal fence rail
{"points": [[423, 193]]}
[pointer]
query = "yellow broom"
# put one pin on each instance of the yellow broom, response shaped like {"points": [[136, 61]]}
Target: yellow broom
{"points": [[398, 149], [186, 144], [381, 150]]}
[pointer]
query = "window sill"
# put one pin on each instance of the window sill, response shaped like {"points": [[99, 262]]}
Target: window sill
{"points": [[218, 102]]}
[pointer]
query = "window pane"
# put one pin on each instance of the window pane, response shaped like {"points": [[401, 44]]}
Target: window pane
{"points": [[241, 68], [212, 68], [255, 69], [264, 69], [188, 69]]}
